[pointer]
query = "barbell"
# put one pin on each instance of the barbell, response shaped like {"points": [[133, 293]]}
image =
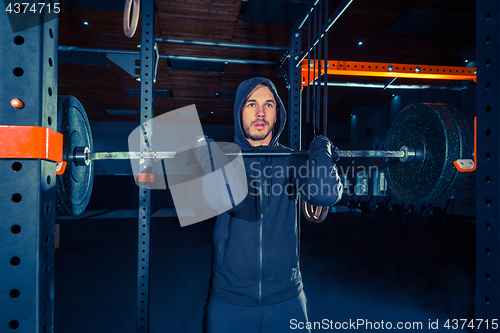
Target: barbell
{"points": [[420, 148]]}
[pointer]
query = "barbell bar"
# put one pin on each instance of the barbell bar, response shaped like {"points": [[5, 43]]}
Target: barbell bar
{"points": [[420, 148], [82, 156], [403, 154]]}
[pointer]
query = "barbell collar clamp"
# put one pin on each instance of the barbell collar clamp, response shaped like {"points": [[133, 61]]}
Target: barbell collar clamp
{"points": [[409, 154], [80, 156]]}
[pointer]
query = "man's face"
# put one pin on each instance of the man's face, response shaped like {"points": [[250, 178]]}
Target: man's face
{"points": [[259, 115]]}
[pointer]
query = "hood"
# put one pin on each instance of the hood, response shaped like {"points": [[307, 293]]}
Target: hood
{"points": [[241, 95]]}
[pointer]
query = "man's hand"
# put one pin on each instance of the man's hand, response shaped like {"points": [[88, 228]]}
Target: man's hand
{"points": [[185, 156], [224, 184], [209, 155], [322, 142]]}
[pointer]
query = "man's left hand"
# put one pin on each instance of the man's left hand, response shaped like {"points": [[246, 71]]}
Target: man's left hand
{"points": [[322, 142]]}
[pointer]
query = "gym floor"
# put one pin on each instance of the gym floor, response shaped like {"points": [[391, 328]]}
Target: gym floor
{"points": [[353, 267]]}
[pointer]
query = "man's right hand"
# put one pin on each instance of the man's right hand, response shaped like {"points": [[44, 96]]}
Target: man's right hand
{"points": [[209, 155], [224, 184]]}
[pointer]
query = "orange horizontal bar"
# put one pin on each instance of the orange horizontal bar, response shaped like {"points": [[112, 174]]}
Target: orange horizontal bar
{"points": [[31, 142], [378, 69]]}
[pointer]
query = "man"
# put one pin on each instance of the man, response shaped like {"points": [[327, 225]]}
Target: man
{"points": [[256, 282]]}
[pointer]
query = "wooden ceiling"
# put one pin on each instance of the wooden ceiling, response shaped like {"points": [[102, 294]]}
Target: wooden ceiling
{"points": [[432, 32]]}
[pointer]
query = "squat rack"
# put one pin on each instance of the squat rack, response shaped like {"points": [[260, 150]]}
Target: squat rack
{"points": [[303, 73], [28, 194], [487, 298]]}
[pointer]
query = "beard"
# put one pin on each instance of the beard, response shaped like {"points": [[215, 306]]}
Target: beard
{"points": [[260, 135]]}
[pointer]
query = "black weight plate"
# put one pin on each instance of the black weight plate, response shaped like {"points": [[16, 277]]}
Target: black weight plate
{"points": [[74, 187], [439, 135]]}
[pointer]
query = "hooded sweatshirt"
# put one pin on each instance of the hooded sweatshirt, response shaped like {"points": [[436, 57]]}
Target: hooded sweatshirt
{"points": [[256, 259]]}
